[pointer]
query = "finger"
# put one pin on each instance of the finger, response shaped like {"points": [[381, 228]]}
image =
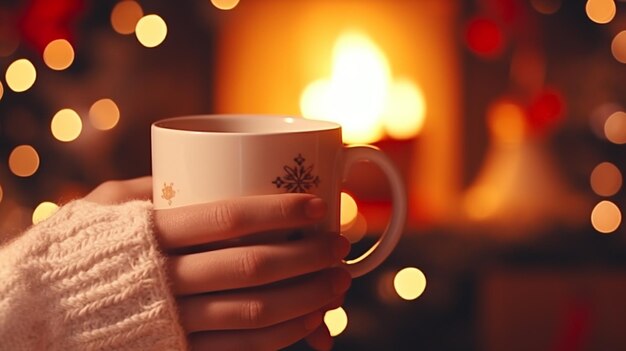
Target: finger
{"points": [[320, 339], [270, 338], [233, 218], [257, 308], [117, 191], [246, 266]]}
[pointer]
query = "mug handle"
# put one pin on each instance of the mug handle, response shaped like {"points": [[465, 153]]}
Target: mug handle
{"points": [[390, 237]]}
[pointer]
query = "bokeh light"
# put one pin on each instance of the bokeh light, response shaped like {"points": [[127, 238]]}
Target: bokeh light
{"points": [[225, 4], [601, 11], [1, 193], [24, 161], [336, 320], [484, 37], [546, 7], [357, 230], [618, 46], [348, 212], [615, 127], [151, 30], [104, 114], [1, 90], [405, 110], [20, 75], [125, 16], [506, 121], [58, 54], [606, 217], [409, 283], [599, 115], [43, 211], [606, 179], [66, 125]]}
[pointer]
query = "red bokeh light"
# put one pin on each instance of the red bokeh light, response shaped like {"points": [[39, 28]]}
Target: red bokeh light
{"points": [[484, 37]]}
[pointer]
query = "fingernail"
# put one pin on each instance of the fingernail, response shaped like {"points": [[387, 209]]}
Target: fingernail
{"points": [[315, 208], [341, 281], [341, 247], [312, 321]]}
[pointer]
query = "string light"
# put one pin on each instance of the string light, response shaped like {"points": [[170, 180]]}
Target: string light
{"points": [[24, 161], [20, 75], [606, 217], [151, 31], [58, 54], [601, 11], [66, 125], [43, 211], [409, 283], [618, 46], [606, 179], [225, 4], [104, 114], [336, 320], [125, 16]]}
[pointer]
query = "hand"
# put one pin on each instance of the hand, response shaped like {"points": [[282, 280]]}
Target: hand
{"points": [[258, 296]]}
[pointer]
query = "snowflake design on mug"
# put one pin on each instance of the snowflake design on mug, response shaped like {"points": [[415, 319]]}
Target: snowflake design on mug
{"points": [[299, 178]]}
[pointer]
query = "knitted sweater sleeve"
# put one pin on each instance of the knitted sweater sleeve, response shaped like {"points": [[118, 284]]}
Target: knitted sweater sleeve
{"points": [[88, 278]]}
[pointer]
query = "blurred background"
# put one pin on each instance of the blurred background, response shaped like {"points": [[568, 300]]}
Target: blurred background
{"points": [[505, 117]]}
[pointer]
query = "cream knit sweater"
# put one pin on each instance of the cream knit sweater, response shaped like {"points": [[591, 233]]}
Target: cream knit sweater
{"points": [[88, 278]]}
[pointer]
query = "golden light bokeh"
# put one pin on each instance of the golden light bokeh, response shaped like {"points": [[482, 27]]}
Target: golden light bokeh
{"points": [[1, 90], [615, 127], [104, 114], [409, 283], [66, 125], [225, 4], [24, 161], [151, 30], [606, 217], [601, 11], [356, 231], [348, 212], [1, 193], [618, 46], [405, 110], [606, 179], [506, 121], [58, 54], [125, 16], [336, 320], [43, 211], [20, 75]]}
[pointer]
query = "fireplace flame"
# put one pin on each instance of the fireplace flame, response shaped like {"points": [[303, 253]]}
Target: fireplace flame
{"points": [[362, 95]]}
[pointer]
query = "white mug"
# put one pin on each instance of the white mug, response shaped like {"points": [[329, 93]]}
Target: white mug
{"points": [[204, 158]]}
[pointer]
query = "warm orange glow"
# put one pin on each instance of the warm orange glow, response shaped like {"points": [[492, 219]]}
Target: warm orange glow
{"points": [[43, 211], [104, 114], [506, 122], [356, 230], [21, 75], [362, 96], [1, 193], [151, 31], [601, 11], [225, 4], [66, 125], [606, 217], [349, 211], [336, 320], [481, 202], [615, 127], [409, 283], [606, 179], [58, 54], [24, 161], [618, 46], [1, 90], [125, 16]]}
